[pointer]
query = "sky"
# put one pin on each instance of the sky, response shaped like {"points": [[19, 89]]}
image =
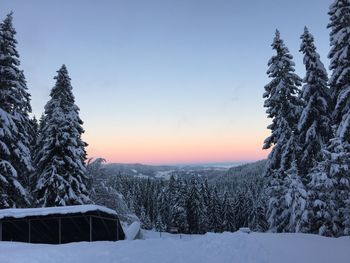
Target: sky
{"points": [[164, 82]]}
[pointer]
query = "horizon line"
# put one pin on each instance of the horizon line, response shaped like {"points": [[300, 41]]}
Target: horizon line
{"points": [[186, 163]]}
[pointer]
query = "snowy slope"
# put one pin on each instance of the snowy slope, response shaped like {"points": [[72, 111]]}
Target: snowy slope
{"points": [[227, 247]]}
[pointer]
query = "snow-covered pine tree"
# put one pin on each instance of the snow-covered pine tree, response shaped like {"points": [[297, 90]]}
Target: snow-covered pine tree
{"points": [[294, 217], [215, 212], [339, 25], [283, 106], [145, 221], [227, 215], [179, 217], [324, 216], [172, 189], [315, 121], [205, 202], [34, 132], [159, 225], [241, 207], [163, 207], [339, 148], [61, 156], [257, 218], [257, 212], [315, 132], [23, 158], [15, 156], [193, 206]]}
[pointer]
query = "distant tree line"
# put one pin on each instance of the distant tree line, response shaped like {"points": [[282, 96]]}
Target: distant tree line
{"points": [[193, 205]]}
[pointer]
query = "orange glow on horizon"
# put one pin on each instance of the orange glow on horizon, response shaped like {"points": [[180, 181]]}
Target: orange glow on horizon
{"points": [[164, 149]]}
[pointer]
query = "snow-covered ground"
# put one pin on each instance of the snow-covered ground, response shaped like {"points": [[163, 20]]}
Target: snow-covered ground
{"points": [[227, 247]]}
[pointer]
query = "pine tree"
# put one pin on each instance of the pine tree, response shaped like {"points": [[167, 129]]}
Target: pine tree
{"points": [[193, 207], [227, 215], [324, 217], [205, 202], [257, 215], [241, 209], [339, 25], [145, 221], [163, 207], [294, 212], [171, 194], [33, 134], [179, 216], [339, 148], [215, 213], [283, 106], [282, 103], [15, 156], [314, 123], [60, 160], [159, 225], [257, 220], [315, 132]]}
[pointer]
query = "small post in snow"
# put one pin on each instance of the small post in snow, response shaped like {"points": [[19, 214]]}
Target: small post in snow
{"points": [[29, 231], [90, 229], [59, 231]]}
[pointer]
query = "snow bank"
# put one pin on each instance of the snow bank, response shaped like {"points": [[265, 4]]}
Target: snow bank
{"points": [[132, 231], [227, 247], [24, 212]]}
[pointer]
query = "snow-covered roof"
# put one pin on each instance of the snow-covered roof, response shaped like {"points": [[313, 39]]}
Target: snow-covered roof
{"points": [[25, 212]]}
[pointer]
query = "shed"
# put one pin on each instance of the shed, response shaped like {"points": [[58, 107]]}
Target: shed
{"points": [[58, 225]]}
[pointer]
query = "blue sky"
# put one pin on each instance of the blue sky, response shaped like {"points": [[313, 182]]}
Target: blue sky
{"points": [[164, 81]]}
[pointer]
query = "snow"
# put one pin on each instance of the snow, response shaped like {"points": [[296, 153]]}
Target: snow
{"points": [[24, 212], [132, 231], [245, 230], [226, 247]]}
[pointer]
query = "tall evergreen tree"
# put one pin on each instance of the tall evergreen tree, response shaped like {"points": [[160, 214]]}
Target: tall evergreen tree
{"points": [[15, 156], [205, 203], [241, 206], [61, 157], [163, 207], [281, 101], [227, 214], [283, 106], [179, 217], [145, 220], [193, 207], [339, 148], [34, 132], [215, 214], [324, 216], [294, 217], [159, 225], [315, 132], [315, 121]]}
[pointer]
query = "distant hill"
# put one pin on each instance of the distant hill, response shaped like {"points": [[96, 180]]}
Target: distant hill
{"points": [[137, 169], [250, 169], [164, 171]]}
